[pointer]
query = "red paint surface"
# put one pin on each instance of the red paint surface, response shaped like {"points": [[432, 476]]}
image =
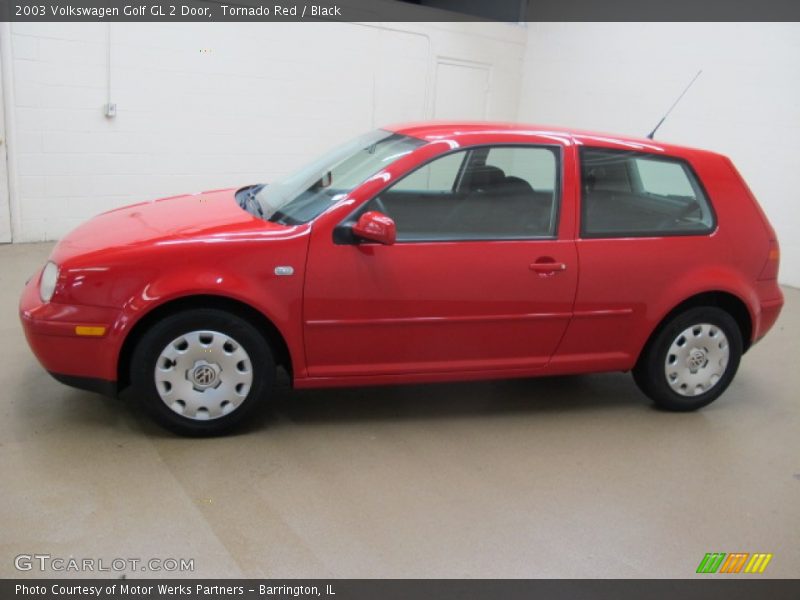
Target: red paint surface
{"points": [[408, 312]]}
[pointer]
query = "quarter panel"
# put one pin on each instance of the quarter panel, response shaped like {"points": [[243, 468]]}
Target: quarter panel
{"points": [[628, 285]]}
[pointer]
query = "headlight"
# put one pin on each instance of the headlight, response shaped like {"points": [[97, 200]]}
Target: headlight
{"points": [[47, 284]]}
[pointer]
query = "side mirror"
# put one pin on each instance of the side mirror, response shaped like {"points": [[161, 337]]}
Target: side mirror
{"points": [[376, 227]]}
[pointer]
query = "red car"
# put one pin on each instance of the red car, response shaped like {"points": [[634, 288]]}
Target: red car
{"points": [[418, 253]]}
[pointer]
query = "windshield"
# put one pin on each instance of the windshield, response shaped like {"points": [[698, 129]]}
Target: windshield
{"points": [[302, 196]]}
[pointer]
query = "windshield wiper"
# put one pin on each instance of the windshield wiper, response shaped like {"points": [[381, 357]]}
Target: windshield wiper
{"points": [[248, 199]]}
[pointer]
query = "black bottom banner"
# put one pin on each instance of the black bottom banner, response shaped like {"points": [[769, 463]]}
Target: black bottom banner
{"points": [[387, 589]]}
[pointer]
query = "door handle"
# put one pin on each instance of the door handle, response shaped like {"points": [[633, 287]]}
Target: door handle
{"points": [[548, 267]]}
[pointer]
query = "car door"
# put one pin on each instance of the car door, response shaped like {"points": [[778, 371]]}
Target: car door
{"points": [[478, 279]]}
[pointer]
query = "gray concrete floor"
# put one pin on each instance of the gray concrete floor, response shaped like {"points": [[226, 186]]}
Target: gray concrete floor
{"points": [[558, 477]]}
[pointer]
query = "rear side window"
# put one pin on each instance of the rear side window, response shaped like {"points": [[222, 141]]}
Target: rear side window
{"points": [[628, 194]]}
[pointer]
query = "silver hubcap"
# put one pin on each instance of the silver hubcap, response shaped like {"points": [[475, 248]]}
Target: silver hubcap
{"points": [[697, 359], [203, 375]]}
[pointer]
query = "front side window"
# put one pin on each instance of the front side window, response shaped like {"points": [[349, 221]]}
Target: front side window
{"points": [[304, 195], [484, 193], [437, 176], [629, 194]]}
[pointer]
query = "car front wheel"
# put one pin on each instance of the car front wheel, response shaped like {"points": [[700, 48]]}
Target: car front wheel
{"points": [[202, 372], [691, 360]]}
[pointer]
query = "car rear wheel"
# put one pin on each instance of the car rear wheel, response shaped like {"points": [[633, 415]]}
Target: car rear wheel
{"points": [[691, 360], [202, 372]]}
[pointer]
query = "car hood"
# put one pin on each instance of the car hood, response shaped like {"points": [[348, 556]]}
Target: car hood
{"points": [[209, 215]]}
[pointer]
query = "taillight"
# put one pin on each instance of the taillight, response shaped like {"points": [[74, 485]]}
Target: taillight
{"points": [[770, 270]]}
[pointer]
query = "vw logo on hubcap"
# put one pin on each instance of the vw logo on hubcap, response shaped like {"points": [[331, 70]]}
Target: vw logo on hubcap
{"points": [[204, 376], [696, 359]]}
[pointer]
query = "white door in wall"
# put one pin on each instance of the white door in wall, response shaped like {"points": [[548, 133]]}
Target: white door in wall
{"points": [[5, 213], [461, 89]]}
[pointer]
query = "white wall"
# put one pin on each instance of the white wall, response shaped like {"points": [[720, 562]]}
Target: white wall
{"points": [[5, 210], [204, 106], [622, 77]]}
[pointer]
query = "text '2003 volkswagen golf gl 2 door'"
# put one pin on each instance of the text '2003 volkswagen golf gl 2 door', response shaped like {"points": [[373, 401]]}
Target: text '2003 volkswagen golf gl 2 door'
{"points": [[418, 253]]}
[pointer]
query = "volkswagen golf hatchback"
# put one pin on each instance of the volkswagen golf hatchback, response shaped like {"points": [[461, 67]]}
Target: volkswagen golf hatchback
{"points": [[418, 253]]}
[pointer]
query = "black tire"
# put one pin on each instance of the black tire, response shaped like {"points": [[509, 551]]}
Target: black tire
{"points": [[156, 339], [649, 372]]}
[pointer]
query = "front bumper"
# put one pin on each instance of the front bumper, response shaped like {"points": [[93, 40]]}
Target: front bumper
{"points": [[52, 331]]}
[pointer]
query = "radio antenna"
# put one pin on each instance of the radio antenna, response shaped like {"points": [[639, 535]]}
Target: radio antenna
{"points": [[674, 104]]}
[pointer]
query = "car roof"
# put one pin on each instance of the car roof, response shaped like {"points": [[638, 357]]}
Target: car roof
{"points": [[483, 131]]}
